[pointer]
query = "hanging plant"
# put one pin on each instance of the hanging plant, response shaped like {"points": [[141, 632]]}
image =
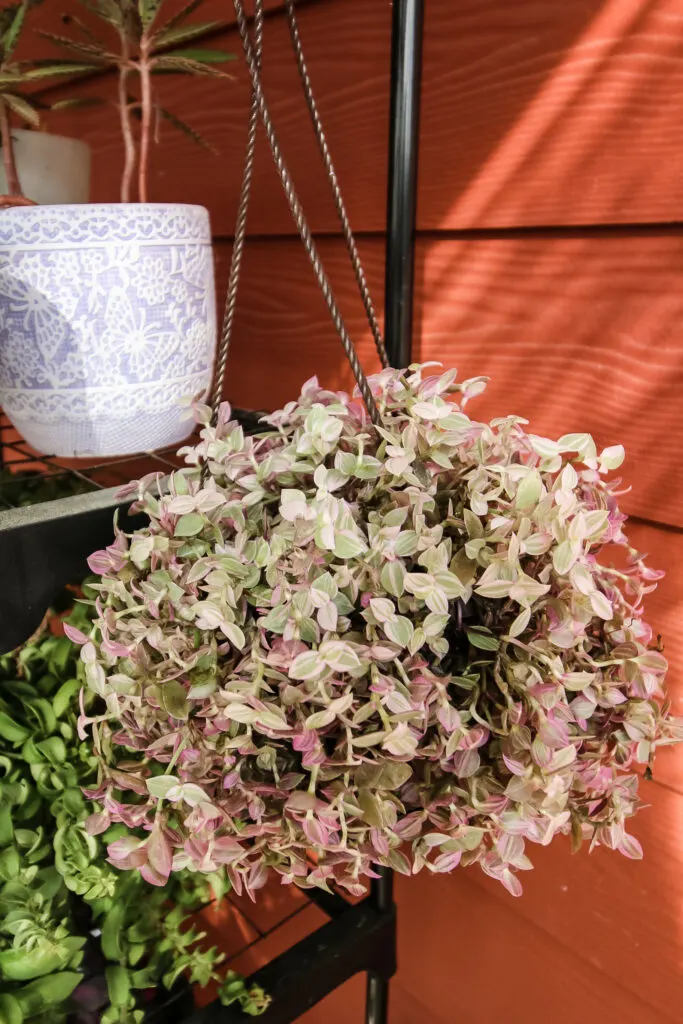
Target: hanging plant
{"points": [[347, 646], [114, 320]]}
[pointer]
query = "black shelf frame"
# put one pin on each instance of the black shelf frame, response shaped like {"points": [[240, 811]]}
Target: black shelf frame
{"points": [[44, 546]]}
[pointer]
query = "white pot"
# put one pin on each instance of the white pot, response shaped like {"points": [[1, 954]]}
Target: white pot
{"points": [[51, 168], [107, 321]]}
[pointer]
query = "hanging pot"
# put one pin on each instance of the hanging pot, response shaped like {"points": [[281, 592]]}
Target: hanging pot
{"points": [[107, 321], [51, 168]]}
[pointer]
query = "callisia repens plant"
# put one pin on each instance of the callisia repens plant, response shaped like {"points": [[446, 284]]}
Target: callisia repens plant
{"points": [[342, 646]]}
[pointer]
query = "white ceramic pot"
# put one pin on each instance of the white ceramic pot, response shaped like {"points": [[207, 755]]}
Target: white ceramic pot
{"points": [[51, 169], [107, 321]]}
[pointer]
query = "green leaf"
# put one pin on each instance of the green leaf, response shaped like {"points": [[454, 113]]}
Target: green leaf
{"points": [[54, 749], [563, 557], [406, 543], [484, 641], [10, 1009], [10, 863], [184, 66], [189, 525], [6, 825], [185, 11], [186, 129], [11, 731], [160, 785], [174, 699], [203, 56], [118, 985], [348, 544], [183, 33], [64, 697], [112, 939], [11, 36], [47, 992], [24, 965], [529, 490], [234, 635], [520, 623], [388, 775], [56, 70], [148, 10], [111, 11], [399, 630], [308, 665], [393, 577], [90, 50]]}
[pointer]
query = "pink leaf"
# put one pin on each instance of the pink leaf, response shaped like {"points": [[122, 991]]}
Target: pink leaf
{"points": [[630, 847], [75, 635]]}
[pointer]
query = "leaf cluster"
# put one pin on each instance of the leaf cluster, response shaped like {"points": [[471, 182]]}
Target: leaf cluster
{"points": [[141, 34], [19, 79]]}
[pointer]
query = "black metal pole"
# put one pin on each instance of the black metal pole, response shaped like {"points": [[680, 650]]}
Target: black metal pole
{"points": [[406, 73], [377, 999]]}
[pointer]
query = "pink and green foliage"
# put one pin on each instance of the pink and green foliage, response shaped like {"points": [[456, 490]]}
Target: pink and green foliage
{"points": [[347, 647]]}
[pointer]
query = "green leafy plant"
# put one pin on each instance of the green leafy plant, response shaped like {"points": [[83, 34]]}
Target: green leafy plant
{"points": [[56, 886], [29, 487], [144, 45], [16, 77], [417, 645]]}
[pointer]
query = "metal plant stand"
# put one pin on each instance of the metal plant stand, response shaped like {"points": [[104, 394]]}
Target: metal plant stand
{"points": [[44, 546]]}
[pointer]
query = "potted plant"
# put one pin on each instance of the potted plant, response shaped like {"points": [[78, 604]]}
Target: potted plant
{"points": [[49, 168], [405, 645], [108, 311], [80, 942]]}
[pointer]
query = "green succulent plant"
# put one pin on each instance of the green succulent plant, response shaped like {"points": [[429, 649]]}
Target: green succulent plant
{"points": [[56, 884]]}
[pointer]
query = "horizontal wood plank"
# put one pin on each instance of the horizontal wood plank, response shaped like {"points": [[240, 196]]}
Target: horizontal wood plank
{"points": [[476, 955], [621, 917], [532, 114], [575, 334], [551, 113]]}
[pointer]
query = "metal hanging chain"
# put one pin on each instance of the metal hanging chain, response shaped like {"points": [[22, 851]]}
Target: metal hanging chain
{"points": [[332, 175], [298, 215], [240, 228]]}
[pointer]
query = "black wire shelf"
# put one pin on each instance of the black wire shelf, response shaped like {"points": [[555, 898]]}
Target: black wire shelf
{"points": [[356, 939]]}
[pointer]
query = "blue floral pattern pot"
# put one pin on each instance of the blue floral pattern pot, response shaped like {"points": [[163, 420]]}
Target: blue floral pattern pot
{"points": [[107, 321]]}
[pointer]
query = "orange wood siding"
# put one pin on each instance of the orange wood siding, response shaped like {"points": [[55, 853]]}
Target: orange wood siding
{"points": [[576, 333], [534, 113], [545, 126]]}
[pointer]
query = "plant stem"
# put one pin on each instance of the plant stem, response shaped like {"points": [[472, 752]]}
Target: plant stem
{"points": [[126, 128], [13, 184], [146, 125]]}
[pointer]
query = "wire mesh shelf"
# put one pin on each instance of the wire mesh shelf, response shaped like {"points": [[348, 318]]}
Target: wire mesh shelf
{"points": [[27, 478], [54, 513]]}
